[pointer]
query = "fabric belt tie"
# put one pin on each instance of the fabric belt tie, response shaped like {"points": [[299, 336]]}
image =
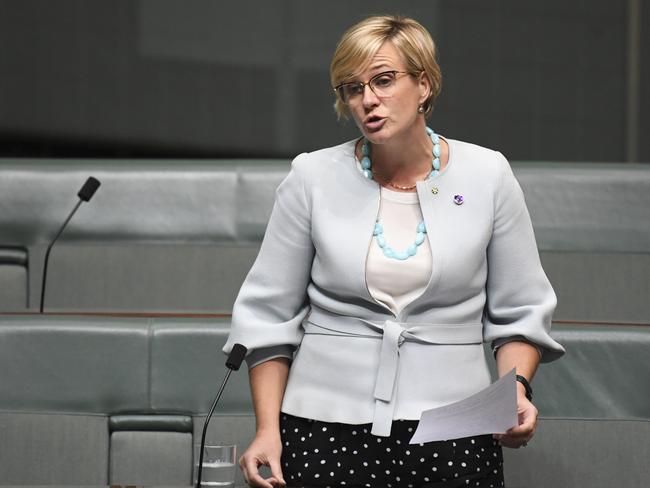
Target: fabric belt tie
{"points": [[393, 335]]}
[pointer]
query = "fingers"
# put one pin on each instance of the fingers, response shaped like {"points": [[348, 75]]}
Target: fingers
{"points": [[276, 482], [519, 435], [251, 474], [250, 469], [514, 439], [257, 481], [524, 429], [266, 449], [276, 471], [511, 442]]}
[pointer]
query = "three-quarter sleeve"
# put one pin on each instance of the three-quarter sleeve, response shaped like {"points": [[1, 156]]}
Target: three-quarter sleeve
{"points": [[272, 302], [520, 299]]}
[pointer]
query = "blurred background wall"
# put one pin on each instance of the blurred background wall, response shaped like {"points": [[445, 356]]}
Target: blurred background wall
{"points": [[551, 80]]}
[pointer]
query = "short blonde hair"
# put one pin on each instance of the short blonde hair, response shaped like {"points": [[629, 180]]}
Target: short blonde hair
{"points": [[362, 41]]}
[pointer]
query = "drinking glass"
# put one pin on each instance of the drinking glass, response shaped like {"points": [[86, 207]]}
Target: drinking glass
{"points": [[218, 465]]}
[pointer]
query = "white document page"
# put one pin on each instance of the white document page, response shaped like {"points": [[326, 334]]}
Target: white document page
{"points": [[490, 411]]}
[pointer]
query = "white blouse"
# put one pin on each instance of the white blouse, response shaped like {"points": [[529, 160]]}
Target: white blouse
{"points": [[392, 282]]}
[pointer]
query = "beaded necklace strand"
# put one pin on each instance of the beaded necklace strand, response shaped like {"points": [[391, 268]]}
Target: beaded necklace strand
{"points": [[378, 231]]}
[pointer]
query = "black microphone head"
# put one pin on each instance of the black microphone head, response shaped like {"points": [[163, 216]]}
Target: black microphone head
{"points": [[88, 190], [236, 356]]}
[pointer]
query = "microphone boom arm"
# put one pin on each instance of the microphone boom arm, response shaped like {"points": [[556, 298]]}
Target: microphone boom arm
{"points": [[205, 426], [85, 194], [233, 363], [49, 249]]}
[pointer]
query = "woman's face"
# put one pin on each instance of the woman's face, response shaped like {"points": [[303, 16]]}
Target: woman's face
{"points": [[381, 118]]}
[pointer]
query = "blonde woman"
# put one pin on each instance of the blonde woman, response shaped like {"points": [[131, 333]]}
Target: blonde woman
{"points": [[387, 261]]}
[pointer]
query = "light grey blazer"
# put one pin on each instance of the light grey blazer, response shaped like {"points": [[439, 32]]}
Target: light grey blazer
{"points": [[355, 362]]}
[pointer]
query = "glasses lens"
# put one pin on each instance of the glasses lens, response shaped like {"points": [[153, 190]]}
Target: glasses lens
{"points": [[348, 91], [383, 84]]}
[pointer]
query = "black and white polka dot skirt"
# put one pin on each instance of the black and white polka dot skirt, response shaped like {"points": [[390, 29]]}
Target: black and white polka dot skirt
{"points": [[324, 454]]}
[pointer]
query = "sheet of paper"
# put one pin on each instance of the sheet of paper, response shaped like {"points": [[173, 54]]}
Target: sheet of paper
{"points": [[490, 411]]}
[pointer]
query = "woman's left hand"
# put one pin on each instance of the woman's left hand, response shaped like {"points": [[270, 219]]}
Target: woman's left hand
{"points": [[520, 435]]}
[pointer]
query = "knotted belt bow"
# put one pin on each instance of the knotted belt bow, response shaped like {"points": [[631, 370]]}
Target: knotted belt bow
{"points": [[392, 335]]}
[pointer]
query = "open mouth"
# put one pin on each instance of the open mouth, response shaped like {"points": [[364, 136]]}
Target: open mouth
{"points": [[374, 122]]}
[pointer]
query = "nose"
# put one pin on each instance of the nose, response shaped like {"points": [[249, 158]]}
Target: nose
{"points": [[369, 97]]}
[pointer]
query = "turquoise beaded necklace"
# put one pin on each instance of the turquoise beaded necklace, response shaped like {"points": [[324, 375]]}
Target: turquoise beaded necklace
{"points": [[389, 252], [378, 231]]}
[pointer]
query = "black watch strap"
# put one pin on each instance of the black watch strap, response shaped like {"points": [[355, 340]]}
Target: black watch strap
{"points": [[529, 390]]}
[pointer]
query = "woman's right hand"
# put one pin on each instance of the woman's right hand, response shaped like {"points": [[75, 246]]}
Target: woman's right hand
{"points": [[265, 449]]}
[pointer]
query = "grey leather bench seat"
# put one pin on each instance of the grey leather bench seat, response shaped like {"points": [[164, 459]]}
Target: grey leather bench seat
{"points": [[99, 400], [13, 278], [77, 392], [595, 413]]}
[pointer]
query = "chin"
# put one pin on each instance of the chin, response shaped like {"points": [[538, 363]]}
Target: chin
{"points": [[378, 137]]}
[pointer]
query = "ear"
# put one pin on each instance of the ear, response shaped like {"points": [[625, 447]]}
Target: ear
{"points": [[424, 85]]}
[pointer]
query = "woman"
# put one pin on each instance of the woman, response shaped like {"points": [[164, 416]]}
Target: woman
{"points": [[387, 261]]}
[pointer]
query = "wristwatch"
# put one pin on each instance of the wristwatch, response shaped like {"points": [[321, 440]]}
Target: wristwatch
{"points": [[529, 390]]}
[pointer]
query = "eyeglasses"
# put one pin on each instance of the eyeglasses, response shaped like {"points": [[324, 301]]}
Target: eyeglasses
{"points": [[382, 85]]}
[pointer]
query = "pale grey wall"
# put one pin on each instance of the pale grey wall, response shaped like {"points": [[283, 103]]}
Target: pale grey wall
{"points": [[536, 80]]}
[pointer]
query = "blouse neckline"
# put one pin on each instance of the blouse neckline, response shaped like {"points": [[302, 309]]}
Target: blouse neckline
{"points": [[440, 173]]}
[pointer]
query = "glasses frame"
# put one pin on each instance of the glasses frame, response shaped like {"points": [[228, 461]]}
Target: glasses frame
{"points": [[367, 83]]}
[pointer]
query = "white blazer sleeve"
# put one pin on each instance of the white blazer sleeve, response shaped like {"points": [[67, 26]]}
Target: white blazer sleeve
{"points": [[520, 299], [272, 301]]}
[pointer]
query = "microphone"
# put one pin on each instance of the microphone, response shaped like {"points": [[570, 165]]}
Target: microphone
{"points": [[233, 363], [85, 194], [88, 190]]}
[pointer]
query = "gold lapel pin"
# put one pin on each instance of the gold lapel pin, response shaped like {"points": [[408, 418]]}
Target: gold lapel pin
{"points": [[434, 190]]}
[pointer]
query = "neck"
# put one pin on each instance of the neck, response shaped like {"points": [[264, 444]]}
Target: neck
{"points": [[406, 157]]}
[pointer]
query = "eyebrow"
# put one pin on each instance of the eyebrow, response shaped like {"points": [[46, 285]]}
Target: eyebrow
{"points": [[382, 64]]}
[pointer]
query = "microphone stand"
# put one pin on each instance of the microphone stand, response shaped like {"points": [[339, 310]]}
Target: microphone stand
{"points": [[205, 427], [233, 363], [85, 194], [49, 248]]}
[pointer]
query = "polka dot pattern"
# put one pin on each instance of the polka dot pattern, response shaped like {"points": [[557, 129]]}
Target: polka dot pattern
{"points": [[324, 454]]}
